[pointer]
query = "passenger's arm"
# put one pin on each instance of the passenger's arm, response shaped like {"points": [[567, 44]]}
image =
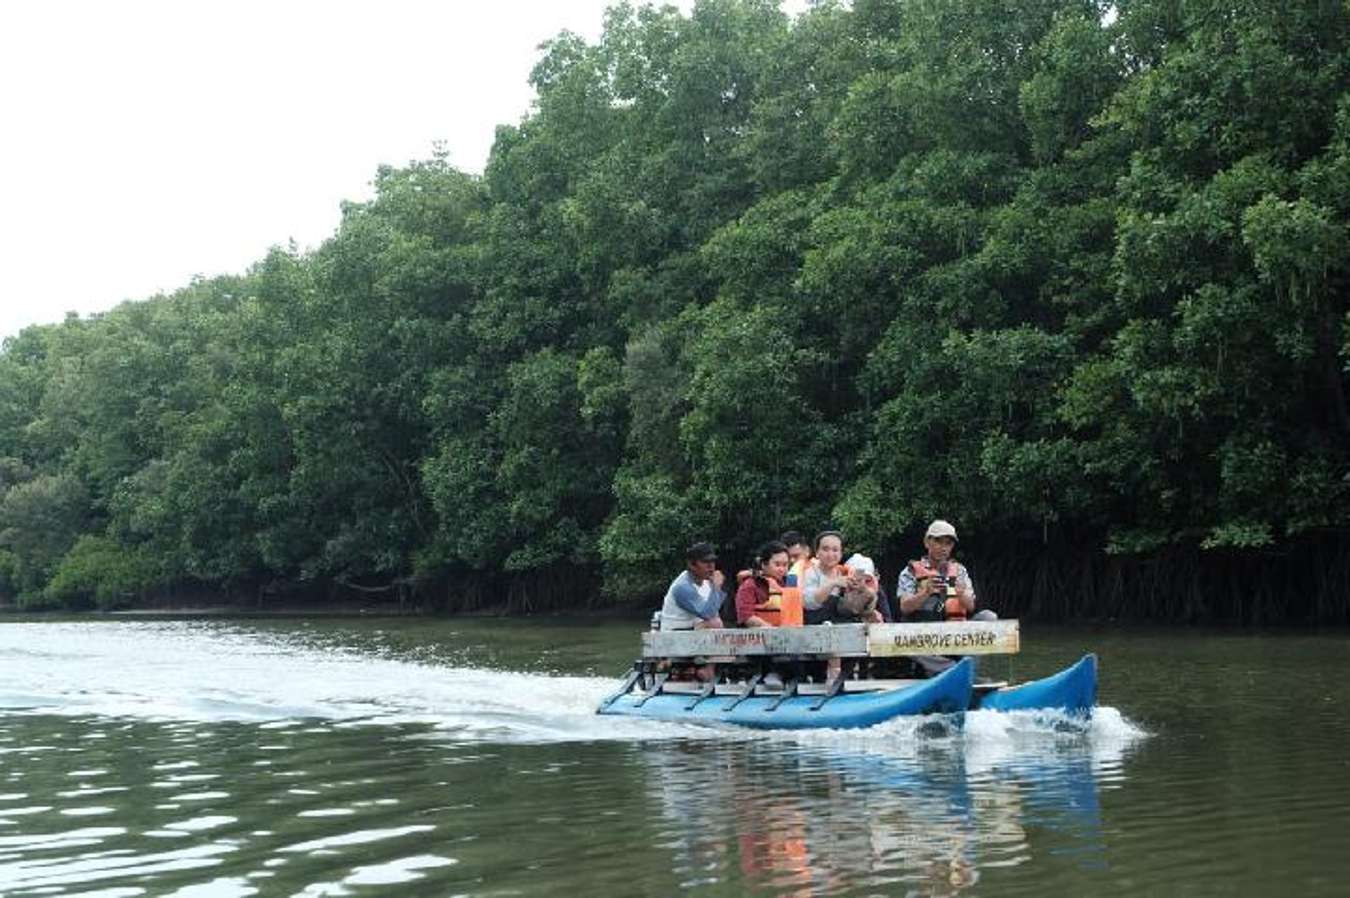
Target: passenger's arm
{"points": [[965, 589], [687, 597], [907, 593], [817, 588]]}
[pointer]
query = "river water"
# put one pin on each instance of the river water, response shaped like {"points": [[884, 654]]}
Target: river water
{"points": [[213, 757]]}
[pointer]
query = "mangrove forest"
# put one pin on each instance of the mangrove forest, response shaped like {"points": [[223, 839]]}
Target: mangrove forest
{"points": [[1071, 274]]}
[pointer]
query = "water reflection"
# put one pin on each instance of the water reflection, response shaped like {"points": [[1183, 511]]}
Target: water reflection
{"points": [[192, 823], [917, 817]]}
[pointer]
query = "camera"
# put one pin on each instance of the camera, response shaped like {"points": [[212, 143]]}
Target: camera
{"points": [[942, 585]]}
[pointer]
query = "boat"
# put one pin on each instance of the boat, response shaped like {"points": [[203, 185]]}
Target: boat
{"points": [[1072, 690], [776, 677], [764, 707]]}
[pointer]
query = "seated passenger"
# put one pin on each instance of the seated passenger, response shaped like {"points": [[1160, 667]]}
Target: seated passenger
{"points": [[865, 570], [834, 592], [694, 599], [824, 578], [922, 590], [759, 598], [799, 557]]}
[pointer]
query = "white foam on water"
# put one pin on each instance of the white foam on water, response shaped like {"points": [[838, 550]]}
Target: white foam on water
{"points": [[195, 672], [1106, 727]]}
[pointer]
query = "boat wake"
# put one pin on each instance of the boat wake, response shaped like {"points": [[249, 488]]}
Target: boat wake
{"points": [[182, 672]]}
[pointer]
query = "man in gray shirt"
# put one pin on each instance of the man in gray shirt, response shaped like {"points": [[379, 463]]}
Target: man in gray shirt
{"points": [[694, 599]]}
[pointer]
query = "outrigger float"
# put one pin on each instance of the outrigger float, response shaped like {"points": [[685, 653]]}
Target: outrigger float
{"points": [[774, 677]]}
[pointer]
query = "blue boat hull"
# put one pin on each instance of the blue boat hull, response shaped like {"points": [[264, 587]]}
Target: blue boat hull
{"points": [[1072, 690], [947, 693]]}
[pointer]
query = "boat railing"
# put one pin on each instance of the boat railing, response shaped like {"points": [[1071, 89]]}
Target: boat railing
{"points": [[998, 637]]}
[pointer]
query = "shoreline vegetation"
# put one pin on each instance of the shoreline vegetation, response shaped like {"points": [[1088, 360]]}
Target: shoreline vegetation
{"points": [[1073, 275]]}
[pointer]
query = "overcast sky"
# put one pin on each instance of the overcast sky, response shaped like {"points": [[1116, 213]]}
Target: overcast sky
{"points": [[142, 143]]}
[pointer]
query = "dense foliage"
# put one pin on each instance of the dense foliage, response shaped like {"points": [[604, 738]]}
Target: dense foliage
{"points": [[1072, 273]]}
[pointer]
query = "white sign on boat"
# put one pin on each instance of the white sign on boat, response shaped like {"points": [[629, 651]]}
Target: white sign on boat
{"points": [[845, 639], [973, 637]]}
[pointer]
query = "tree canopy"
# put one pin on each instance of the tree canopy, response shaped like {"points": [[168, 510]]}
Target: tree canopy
{"points": [[1073, 273]]}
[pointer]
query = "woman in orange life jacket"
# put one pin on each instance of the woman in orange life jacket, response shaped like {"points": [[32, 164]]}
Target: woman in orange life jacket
{"points": [[771, 565], [799, 557]]}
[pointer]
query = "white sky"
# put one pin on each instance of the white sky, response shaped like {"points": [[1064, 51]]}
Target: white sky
{"points": [[144, 142]]}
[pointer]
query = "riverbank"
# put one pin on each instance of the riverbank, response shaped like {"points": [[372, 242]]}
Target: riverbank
{"points": [[333, 609]]}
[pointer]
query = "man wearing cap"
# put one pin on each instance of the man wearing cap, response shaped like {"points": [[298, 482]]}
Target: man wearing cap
{"points": [[694, 599], [921, 591]]}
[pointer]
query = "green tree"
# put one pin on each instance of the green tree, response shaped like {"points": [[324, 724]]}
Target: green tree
{"points": [[39, 521]]}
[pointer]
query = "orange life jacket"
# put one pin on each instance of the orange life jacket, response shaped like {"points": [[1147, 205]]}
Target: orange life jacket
{"points": [[783, 608]]}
